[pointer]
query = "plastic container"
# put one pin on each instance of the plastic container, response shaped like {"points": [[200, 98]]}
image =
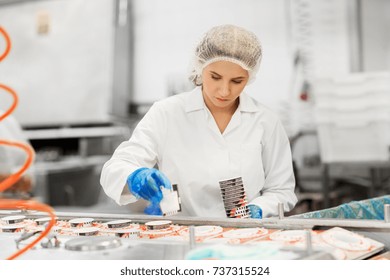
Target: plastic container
{"points": [[354, 141], [128, 233], [360, 116], [353, 84], [118, 223], [44, 220], [12, 228], [81, 222], [353, 92], [9, 220], [86, 231], [158, 225], [371, 100]]}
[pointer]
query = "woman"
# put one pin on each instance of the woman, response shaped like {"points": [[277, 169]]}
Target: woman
{"points": [[213, 133]]}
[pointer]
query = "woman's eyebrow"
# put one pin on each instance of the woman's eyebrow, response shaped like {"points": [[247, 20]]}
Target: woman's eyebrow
{"points": [[235, 78], [215, 73]]}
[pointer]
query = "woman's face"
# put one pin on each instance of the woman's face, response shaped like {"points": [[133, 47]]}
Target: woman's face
{"points": [[223, 82]]}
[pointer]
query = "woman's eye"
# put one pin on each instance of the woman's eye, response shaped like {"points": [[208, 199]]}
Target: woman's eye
{"points": [[237, 82], [215, 78]]}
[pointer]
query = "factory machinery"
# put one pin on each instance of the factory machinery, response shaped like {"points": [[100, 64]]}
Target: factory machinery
{"points": [[140, 237], [34, 232]]}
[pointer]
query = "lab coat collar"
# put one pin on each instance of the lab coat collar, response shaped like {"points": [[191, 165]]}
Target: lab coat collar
{"points": [[247, 104], [195, 102]]}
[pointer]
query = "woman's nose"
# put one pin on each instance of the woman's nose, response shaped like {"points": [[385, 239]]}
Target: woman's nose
{"points": [[225, 90]]}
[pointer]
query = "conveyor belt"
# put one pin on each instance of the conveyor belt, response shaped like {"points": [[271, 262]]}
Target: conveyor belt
{"points": [[289, 235]]}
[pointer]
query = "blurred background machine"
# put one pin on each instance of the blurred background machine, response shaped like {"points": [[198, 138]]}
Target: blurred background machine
{"points": [[341, 123], [73, 82]]}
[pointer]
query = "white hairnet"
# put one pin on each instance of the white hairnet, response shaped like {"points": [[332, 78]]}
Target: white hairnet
{"points": [[227, 43]]}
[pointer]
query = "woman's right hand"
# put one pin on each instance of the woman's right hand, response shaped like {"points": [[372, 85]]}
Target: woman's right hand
{"points": [[146, 183]]}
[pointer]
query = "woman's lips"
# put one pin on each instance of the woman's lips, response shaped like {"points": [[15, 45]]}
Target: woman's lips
{"points": [[222, 99]]}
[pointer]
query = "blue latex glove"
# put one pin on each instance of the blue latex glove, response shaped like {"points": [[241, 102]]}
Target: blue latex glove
{"points": [[256, 212], [145, 183], [153, 209]]}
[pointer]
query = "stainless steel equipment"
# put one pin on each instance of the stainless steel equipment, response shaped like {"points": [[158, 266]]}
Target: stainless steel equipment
{"points": [[113, 247]]}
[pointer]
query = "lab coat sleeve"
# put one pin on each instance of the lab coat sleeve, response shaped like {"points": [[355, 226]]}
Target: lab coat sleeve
{"points": [[141, 150], [279, 182]]}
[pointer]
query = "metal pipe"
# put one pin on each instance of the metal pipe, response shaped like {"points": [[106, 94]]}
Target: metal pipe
{"points": [[386, 213], [281, 210], [192, 237], [309, 247]]}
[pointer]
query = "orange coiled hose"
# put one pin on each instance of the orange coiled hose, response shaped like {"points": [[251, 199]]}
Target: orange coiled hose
{"points": [[14, 103], [13, 178], [16, 176], [7, 43], [31, 205]]}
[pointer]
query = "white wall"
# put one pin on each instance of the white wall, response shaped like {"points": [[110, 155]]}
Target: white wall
{"points": [[375, 35], [167, 31], [62, 76]]}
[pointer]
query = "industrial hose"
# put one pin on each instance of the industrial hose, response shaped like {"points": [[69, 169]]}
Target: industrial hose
{"points": [[13, 178]]}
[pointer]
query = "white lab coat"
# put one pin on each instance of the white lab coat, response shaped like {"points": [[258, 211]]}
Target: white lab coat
{"points": [[180, 135]]}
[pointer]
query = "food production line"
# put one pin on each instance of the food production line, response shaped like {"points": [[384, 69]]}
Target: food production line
{"points": [[139, 237]]}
